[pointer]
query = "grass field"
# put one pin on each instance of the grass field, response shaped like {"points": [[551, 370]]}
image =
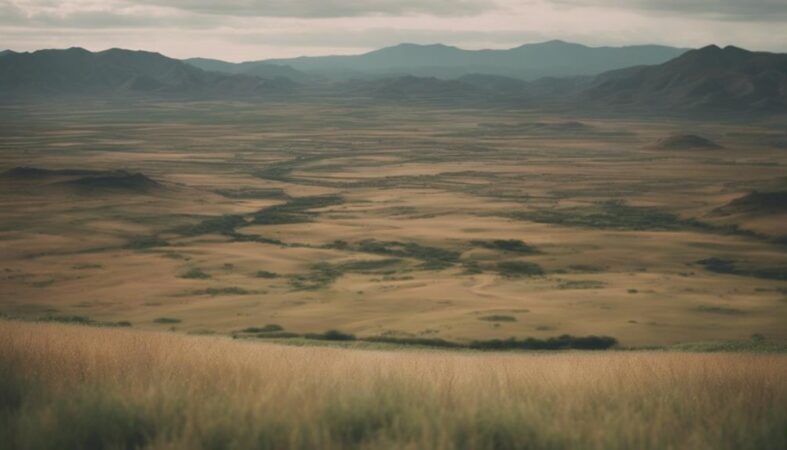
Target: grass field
{"points": [[76, 387], [399, 221]]}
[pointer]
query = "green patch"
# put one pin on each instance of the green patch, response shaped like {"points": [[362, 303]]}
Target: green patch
{"points": [[269, 328], [580, 284], [720, 310], [83, 320], [611, 215], [167, 320], [86, 266], [195, 274], [265, 274], [296, 210], [730, 267], [213, 292], [498, 318], [407, 250], [514, 269], [507, 245], [224, 225], [145, 242]]}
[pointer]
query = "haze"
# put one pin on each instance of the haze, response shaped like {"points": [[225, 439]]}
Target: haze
{"points": [[258, 29]]}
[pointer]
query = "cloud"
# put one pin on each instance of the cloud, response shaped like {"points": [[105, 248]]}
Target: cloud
{"points": [[727, 10], [326, 8]]}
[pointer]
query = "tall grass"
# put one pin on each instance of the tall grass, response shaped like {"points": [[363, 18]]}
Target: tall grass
{"points": [[73, 387]]}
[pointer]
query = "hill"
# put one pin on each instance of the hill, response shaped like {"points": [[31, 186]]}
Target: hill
{"points": [[527, 62], [256, 68], [686, 142], [76, 71], [710, 78]]}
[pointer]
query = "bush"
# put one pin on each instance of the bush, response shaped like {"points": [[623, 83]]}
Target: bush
{"points": [[265, 274], [519, 269], [144, 242], [331, 335], [564, 342], [269, 328], [167, 320], [507, 245], [195, 274], [498, 318]]}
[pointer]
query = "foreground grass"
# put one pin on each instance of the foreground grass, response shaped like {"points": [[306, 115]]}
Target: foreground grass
{"points": [[75, 387]]}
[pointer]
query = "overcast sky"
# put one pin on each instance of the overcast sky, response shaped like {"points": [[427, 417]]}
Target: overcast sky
{"points": [[239, 30]]}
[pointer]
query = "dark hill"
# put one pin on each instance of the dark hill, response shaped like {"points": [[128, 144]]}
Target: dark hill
{"points": [[686, 142], [711, 78], [527, 62], [757, 203], [120, 181], [76, 71], [256, 68]]}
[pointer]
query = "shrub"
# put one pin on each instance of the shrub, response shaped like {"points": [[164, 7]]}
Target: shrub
{"points": [[195, 274], [519, 268], [563, 342], [269, 328], [265, 274], [167, 320], [507, 245], [144, 242], [331, 335], [498, 318]]}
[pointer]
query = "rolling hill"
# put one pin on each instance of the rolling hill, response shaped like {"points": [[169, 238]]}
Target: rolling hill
{"points": [[527, 62], [76, 71], [256, 68], [710, 78]]}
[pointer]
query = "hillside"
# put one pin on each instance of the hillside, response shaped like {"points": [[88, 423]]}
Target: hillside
{"points": [[528, 62], [76, 71], [711, 78], [256, 68]]}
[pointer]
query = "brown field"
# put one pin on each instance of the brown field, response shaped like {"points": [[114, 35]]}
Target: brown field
{"points": [[618, 227], [78, 387]]}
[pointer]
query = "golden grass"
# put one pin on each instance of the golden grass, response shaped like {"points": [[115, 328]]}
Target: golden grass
{"points": [[78, 387]]}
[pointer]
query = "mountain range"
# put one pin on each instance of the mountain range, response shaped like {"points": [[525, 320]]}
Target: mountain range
{"points": [[76, 71], [710, 79], [527, 62]]}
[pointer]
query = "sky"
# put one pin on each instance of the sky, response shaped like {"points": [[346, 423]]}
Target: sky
{"points": [[239, 30]]}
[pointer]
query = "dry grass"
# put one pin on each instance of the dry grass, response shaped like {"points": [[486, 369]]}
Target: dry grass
{"points": [[71, 387]]}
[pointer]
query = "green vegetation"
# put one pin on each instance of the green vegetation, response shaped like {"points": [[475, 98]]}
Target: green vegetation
{"points": [[580, 284], [269, 328], [323, 274], [720, 310], [513, 269], [225, 225], [167, 320], [82, 320], [296, 210], [265, 274], [563, 342], [507, 245], [195, 273], [728, 266], [407, 250], [213, 292], [145, 242], [498, 318]]}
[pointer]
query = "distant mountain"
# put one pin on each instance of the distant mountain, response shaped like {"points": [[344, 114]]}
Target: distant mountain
{"points": [[413, 89], [527, 62], [257, 68], [710, 78], [76, 71]]}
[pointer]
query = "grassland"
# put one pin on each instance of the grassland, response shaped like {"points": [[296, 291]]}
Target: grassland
{"points": [[401, 222], [67, 386]]}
